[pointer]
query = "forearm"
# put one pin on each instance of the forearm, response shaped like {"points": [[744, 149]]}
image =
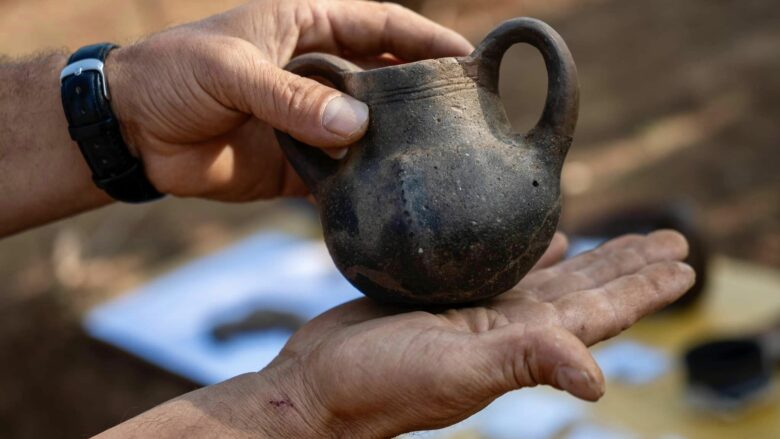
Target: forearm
{"points": [[255, 405], [42, 174]]}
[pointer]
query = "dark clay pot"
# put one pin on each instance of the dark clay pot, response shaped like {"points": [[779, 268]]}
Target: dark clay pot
{"points": [[440, 202]]}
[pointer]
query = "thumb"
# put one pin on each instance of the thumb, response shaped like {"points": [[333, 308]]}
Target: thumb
{"points": [[516, 357], [307, 110]]}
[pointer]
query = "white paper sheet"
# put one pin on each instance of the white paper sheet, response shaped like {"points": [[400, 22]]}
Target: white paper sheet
{"points": [[168, 322]]}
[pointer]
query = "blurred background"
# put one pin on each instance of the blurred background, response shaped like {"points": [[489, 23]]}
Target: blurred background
{"points": [[680, 108]]}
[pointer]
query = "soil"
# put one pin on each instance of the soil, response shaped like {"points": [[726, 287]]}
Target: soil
{"points": [[680, 104]]}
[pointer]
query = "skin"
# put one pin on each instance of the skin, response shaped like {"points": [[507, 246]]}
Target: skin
{"points": [[197, 104], [367, 371]]}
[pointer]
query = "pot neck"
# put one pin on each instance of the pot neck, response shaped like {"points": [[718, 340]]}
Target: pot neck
{"points": [[414, 80]]}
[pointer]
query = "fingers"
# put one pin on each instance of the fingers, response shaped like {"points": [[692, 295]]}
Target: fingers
{"points": [[241, 166], [621, 256], [580, 260], [601, 313], [516, 357], [554, 252], [370, 28], [309, 111]]}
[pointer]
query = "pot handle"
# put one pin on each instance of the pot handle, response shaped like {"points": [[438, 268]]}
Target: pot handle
{"points": [[557, 123], [309, 162]]}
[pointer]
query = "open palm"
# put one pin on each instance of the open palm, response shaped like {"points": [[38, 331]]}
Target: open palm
{"points": [[383, 371]]}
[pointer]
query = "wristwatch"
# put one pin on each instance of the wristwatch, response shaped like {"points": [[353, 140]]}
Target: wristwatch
{"points": [[93, 125]]}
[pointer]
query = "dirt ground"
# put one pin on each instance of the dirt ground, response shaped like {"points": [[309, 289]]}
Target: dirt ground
{"points": [[680, 104]]}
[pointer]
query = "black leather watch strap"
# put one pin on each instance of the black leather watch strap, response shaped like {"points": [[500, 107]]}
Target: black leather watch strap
{"points": [[92, 124]]}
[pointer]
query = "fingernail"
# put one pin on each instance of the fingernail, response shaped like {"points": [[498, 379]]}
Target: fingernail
{"points": [[578, 382], [344, 116], [336, 153], [690, 274]]}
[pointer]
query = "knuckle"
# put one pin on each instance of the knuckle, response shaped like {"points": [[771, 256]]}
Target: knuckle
{"points": [[550, 314], [545, 345], [623, 261], [591, 257], [579, 280], [633, 257], [304, 14], [298, 99], [225, 66], [647, 292]]}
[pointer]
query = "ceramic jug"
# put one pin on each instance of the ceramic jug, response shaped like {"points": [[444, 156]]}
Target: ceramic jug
{"points": [[441, 202]]}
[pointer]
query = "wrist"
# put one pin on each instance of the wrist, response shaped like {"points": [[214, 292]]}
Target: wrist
{"points": [[292, 405], [86, 100], [282, 404], [268, 404], [120, 90], [44, 176]]}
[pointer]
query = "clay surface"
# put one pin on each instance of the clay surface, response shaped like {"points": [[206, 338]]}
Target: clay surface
{"points": [[440, 202]]}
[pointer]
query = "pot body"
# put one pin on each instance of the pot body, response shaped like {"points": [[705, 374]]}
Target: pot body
{"points": [[440, 202]]}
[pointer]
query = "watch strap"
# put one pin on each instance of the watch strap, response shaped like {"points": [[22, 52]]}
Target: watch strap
{"points": [[92, 124]]}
